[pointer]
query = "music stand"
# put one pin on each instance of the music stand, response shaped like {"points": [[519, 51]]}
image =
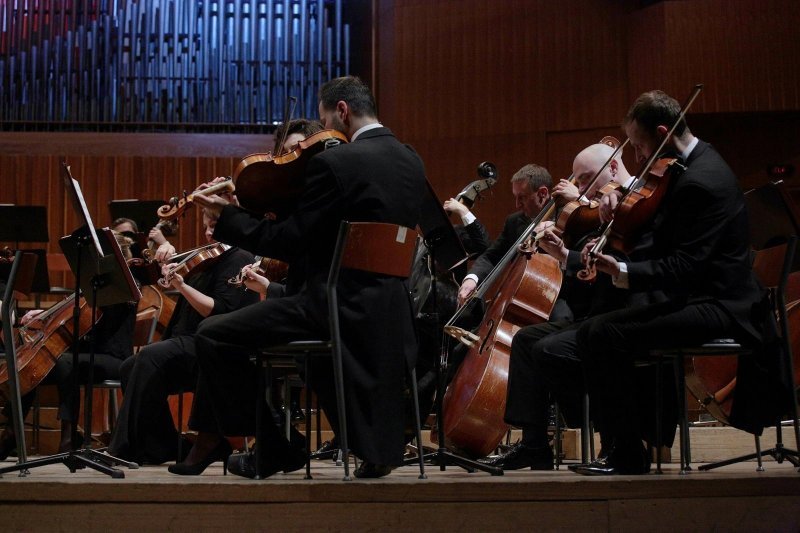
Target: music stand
{"points": [[19, 283], [447, 252], [97, 261], [23, 223]]}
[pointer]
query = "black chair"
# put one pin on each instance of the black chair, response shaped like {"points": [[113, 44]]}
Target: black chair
{"points": [[379, 248], [587, 433], [772, 267]]}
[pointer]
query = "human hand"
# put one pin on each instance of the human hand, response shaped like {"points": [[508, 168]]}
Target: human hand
{"points": [[466, 290]]}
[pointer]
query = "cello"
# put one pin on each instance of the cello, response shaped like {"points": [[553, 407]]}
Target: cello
{"points": [[42, 341], [520, 290]]}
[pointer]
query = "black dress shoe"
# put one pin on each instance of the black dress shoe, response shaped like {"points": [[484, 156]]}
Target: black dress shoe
{"points": [[367, 470], [328, 450], [522, 456], [8, 446], [623, 460], [221, 452], [244, 464], [574, 466]]}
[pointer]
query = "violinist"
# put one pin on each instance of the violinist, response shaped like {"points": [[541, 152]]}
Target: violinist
{"points": [[293, 132], [372, 178], [113, 342], [553, 343], [531, 187], [145, 432], [698, 257]]}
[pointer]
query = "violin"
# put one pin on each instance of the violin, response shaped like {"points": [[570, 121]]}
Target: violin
{"points": [[176, 207], [579, 217], [195, 261], [272, 269], [272, 184], [640, 203]]}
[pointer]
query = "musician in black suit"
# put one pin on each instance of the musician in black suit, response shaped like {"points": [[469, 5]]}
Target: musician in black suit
{"points": [[372, 178], [531, 187], [698, 258]]}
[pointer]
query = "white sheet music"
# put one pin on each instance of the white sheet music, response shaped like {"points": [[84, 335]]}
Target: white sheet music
{"points": [[78, 202]]}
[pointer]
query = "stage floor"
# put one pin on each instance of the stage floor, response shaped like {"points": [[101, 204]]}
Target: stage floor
{"points": [[731, 498]]}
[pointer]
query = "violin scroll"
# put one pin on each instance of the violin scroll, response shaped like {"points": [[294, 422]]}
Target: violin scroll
{"points": [[176, 207]]}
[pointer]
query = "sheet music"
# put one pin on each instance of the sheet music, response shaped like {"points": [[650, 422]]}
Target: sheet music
{"points": [[79, 203]]}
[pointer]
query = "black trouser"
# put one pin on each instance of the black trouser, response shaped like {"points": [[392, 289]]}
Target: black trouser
{"points": [[609, 345], [225, 398], [105, 367], [145, 431], [543, 364]]}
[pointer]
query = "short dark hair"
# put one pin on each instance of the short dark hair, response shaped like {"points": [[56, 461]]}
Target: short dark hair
{"points": [[353, 91], [299, 125], [123, 220], [653, 109], [535, 175]]}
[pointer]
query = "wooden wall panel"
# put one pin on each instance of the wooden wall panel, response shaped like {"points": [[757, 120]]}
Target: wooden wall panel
{"points": [[746, 53], [514, 81]]}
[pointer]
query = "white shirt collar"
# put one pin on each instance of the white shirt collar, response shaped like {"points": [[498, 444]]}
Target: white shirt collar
{"points": [[362, 129], [686, 153]]}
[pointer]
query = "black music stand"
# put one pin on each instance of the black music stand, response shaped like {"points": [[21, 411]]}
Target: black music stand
{"points": [[447, 252], [19, 282], [23, 223], [97, 262]]}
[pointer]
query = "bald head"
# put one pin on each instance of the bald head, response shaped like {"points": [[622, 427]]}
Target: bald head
{"points": [[589, 161]]}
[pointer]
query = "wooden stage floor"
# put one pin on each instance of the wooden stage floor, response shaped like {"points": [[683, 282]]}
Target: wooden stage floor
{"points": [[150, 499]]}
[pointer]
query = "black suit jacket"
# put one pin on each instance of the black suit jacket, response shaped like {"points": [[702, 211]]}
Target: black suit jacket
{"points": [[700, 251], [513, 227], [373, 179], [701, 244]]}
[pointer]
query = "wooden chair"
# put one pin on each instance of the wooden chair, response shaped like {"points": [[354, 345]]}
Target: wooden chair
{"points": [[374, 247]]}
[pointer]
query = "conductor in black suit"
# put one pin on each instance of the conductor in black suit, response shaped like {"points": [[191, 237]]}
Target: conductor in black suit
{"points": [[373, 178], [699, 259]]}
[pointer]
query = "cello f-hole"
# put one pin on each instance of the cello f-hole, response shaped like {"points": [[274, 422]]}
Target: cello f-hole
{"points": [[488, 336]]}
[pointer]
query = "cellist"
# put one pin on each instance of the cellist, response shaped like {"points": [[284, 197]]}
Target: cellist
{"points": [[531, 187], [698, 257], [113, 342]]}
